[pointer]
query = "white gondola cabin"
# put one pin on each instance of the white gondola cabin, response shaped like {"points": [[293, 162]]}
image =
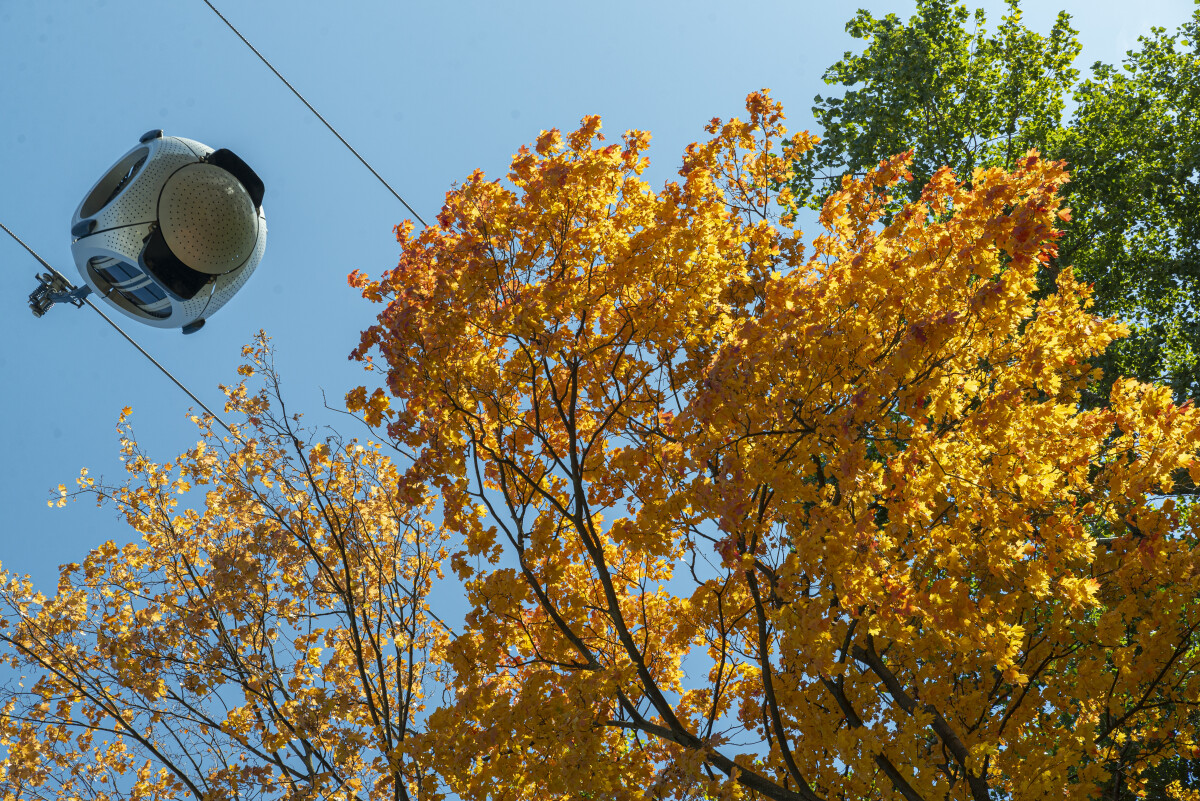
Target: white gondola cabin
{"points": [[171, 231]]}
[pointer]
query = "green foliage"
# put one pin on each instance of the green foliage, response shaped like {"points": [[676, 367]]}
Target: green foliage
{"points": [[1133, 146], [944, 87], [1184, 771]]}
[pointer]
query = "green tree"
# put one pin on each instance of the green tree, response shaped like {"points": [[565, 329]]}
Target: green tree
{"points": [[955, 94]]}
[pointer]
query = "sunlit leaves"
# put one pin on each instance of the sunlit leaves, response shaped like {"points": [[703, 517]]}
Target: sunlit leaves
{"points": [[818, 527], [269, 642]]}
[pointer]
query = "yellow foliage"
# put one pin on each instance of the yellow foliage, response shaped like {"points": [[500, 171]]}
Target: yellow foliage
{"points": [[820, 527], [273, 643]]}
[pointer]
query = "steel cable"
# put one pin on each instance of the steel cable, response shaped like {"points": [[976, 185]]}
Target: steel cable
{"points": [[120, 330], [332, 130]]}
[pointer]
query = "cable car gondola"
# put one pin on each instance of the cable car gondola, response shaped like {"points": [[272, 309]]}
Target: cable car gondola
{"points": [[171, 231]]}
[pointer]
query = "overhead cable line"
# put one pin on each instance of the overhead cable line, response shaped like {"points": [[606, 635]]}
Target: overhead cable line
{"points": [[332, 130], [120, 330]]}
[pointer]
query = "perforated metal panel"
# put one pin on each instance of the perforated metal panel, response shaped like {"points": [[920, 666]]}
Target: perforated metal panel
{"points": [[194, 308], [207, 218], [138, 199], [124, 242], [198, 148], [114, 181]]}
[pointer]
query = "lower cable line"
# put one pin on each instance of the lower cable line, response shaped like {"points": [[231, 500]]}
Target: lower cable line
{"points": [[156, 363], [120, 330]]}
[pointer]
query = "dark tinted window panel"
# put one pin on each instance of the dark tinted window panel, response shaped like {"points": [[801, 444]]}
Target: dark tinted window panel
{"points": [[146, 295], [167, 268], [117, 275], [118, 272], [138, 299]]}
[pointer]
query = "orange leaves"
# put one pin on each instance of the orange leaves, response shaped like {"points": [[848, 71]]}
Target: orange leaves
{"points": [[549, 142], [374, 409], [874, 450], [589, 130]]}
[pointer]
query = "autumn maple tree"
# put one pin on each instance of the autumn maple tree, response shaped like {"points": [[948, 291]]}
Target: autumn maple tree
{"points": [[742, 521], [735, 517], [272, 644]]}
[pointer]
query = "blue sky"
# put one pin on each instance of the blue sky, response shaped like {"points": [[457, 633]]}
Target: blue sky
{"points": [[427, 92]]}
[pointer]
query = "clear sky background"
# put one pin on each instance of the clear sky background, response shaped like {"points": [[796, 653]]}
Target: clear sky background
{"points": [[427, 92]]}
